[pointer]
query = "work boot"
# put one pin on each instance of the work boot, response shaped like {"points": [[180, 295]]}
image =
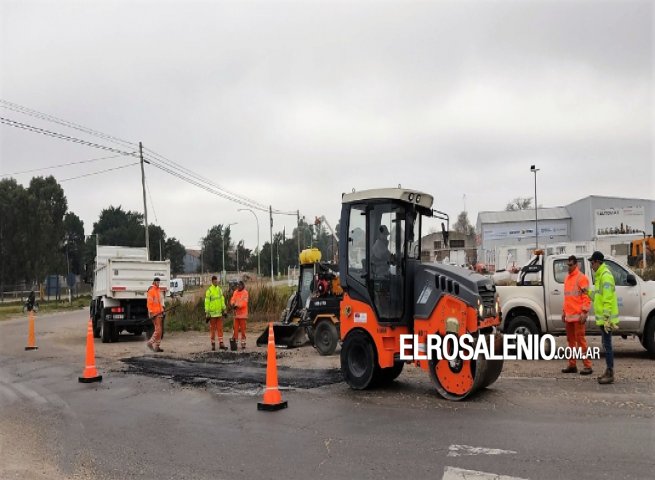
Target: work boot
{"points": [[149, 345], [570, 369], [586, 371], [213, 347], [222, 346], [607, 377], [158, 350]]}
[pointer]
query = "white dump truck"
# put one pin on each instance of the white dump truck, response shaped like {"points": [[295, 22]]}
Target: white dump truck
{"points": [[122, 276], [535, 304]]}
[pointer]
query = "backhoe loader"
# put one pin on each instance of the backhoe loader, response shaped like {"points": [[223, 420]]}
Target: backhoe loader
{"points": [[389, 291], [312, 311]]}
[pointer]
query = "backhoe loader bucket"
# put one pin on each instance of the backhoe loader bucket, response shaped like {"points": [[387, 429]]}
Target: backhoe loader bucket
{"points": [[286, 336]]}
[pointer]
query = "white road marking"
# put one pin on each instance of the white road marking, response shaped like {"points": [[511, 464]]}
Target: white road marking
{"points": [[464, 450], [452, 473]]}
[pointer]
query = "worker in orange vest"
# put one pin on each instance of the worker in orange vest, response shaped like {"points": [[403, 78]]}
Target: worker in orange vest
{"points": [[239, 302], [574, 315], [156, 312]]}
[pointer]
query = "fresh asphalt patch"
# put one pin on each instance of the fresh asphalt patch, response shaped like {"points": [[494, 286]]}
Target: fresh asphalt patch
{"points": [[238, 371]]}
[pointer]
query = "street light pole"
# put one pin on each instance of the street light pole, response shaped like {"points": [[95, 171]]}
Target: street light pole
{"points": [[270, 213], [534, 170], [223, 242], [257, 220]]}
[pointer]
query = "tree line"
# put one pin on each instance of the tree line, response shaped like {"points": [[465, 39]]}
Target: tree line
{"points": [[39, 236], [218, 244]]}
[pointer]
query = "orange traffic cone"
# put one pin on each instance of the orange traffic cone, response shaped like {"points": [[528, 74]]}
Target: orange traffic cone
{"points": [[90, 373], [31, 342], [272, 397]]}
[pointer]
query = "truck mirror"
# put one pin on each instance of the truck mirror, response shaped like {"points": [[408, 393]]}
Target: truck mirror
{"points": [[631, 280]]}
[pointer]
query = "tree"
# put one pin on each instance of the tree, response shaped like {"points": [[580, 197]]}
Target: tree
{"points": [[157, 240], [213, 249], [463, 225], [74, 243], [47, 207], [175, 251], [13, 233], [519, 203], [118, 227]]}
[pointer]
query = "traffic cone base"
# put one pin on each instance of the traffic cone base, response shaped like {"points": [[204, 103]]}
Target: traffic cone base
{"points": [[31, 348], [271, 407], [97, 378], [272, 400], [90, 373]]}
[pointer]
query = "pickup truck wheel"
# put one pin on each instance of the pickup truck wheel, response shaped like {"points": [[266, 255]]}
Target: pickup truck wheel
{"points": [[648, 340], [522, 325], [96, 328]]}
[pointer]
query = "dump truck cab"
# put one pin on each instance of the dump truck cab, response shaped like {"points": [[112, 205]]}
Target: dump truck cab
{"points": [[389, 291]]}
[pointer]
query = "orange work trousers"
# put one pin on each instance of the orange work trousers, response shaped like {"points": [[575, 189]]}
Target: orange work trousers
{"points": [[216, 329], [155, 340], [575, 337], [240, 326]]}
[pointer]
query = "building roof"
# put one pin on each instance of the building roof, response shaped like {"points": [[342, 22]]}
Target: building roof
{"points": [[193, 253], [555, 213]]}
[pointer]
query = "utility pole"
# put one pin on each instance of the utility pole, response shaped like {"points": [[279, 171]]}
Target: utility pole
{"points": [[160, 250], [270, 213], [145, 206], [298, 215]]}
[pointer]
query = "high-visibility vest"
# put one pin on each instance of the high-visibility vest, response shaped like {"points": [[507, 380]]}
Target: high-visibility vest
{"points": [[240, 302], [606, 305], [155, 306], [576, 300], [214, 301]]}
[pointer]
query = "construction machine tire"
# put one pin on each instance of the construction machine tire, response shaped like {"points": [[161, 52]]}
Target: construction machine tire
{"points": [[457, 379], [326, 337], [358, 361], [385, 376]]}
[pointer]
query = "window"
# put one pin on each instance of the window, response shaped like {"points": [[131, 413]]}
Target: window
{"points": [[437, 245], [357, 240], [619, 273], [560, 270], [457, 244]]}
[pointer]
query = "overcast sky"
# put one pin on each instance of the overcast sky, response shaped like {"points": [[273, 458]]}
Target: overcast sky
{"points": [[293, 103]]}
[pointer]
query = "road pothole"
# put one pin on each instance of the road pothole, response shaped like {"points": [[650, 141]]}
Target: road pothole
{"points": [[229, 371]]}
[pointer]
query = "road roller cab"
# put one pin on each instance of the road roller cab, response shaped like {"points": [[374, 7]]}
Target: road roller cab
{"points": [[389, 291]]}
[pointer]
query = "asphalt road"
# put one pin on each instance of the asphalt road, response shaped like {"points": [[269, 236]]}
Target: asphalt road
{"points": [[153, 427]]}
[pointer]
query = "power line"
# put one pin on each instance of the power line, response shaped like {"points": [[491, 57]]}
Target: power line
{"points": [[31, 128], [99, 172], [172, 164], [50, 118], [59, 166], [183, 172]]}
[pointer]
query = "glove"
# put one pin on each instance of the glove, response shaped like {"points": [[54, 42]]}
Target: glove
{"points": [[608, 326], [207, 319]]}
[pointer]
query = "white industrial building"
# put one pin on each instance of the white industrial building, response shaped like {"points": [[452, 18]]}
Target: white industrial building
{"points": [[507, 239]]}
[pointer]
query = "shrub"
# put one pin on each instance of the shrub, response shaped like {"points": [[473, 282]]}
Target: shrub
{"points": [[266, 304]]}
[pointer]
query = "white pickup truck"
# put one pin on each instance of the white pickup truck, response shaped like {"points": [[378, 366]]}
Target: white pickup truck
{"points": [[535, 304], [121, 281]]}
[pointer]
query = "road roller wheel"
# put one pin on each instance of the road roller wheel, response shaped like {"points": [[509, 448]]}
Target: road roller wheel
{"points": [[454, 379]]}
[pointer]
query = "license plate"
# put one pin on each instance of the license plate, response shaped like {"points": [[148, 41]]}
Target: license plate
{"points": [[119, 316]]}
